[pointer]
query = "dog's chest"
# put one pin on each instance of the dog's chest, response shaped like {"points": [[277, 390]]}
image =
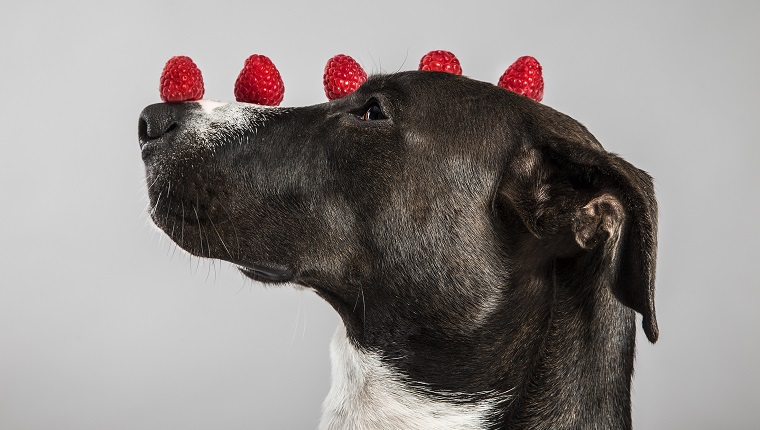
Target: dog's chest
{"points": [[367, 395]]}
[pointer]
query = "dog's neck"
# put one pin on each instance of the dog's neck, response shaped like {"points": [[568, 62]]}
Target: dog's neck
{"points": [[368, 394], [582, 378], [557, 370]]}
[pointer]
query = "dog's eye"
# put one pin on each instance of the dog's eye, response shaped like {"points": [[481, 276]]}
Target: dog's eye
{"points": [[373, 113]]}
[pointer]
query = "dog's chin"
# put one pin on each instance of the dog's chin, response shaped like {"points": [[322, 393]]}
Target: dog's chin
{"points": [[267, 273], [188, 236]]}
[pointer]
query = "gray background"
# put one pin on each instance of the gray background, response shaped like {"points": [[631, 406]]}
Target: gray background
{"points": [[105, 325]]}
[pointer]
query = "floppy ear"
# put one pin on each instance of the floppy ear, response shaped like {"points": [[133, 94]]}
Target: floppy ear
{"points": [[560, 184]]}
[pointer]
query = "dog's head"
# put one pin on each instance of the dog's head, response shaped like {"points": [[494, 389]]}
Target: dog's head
{"points": [[419, 194]]}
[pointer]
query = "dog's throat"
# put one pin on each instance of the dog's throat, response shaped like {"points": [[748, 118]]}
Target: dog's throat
{"points": [[368, 394]]}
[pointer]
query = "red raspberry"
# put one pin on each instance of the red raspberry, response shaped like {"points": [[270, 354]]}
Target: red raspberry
{"points": [[524, 77], [441, 61], [259, 82], [343, 75], [181, 80]]}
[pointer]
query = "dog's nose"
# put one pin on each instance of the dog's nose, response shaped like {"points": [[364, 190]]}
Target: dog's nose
{"points": [[158, 120]]}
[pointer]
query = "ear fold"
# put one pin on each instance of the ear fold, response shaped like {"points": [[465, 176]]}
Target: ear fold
{"points": [[601, 219], [547, 190], [637, 249]]}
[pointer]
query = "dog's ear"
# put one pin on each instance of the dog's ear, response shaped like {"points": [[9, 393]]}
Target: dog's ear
{"points": [[559, 186]]}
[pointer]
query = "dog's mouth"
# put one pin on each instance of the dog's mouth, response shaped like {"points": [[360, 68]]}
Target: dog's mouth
{"points": [[267, 272]]}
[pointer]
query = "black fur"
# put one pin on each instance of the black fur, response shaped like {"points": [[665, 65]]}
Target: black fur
{"points": [[480, 241]]}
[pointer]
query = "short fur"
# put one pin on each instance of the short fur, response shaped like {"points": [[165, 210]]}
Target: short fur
{"points": [[475, 243]]}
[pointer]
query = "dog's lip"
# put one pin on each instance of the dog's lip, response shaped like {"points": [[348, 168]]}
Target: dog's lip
{"points": [[148, 147], [267, 272]]}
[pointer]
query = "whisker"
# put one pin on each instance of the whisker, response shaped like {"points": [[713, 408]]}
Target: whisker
{"points": [[155, 206], [208, 270], [152, 184], [200, 237], [295, 325], [406, 57], [169, 196], [234, 230], [224, 245], [174, 225], [364, 305], [182, 225]]}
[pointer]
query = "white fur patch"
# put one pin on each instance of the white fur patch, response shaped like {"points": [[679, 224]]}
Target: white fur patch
{"points": [[368, 395], [209, 105], [217, 122]]}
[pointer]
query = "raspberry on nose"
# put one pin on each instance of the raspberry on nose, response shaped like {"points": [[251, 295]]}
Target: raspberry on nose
{"points": [[181, 80], [259, 82]]}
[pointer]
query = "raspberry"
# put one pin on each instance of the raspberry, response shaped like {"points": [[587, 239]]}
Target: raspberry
{"points": [[524, 77], [343, 75], [181, 80], [259, 82], [441, 61]]}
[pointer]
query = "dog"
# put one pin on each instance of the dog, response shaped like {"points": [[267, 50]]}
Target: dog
{"points": [[486, 255]]}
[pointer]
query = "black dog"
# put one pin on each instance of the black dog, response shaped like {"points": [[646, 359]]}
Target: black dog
{"points": [[485, 253]]}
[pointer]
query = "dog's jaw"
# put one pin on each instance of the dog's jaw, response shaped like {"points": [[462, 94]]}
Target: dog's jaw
{"points": [[189, 193], [368, 394]]}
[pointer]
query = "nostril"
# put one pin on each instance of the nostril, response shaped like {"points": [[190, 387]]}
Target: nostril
{"points": [[154, 131], [157, 126], [157, 129], [142, 129]]}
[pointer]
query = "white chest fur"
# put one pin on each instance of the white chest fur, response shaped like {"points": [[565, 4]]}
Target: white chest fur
{"points": [[368, 395]]}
